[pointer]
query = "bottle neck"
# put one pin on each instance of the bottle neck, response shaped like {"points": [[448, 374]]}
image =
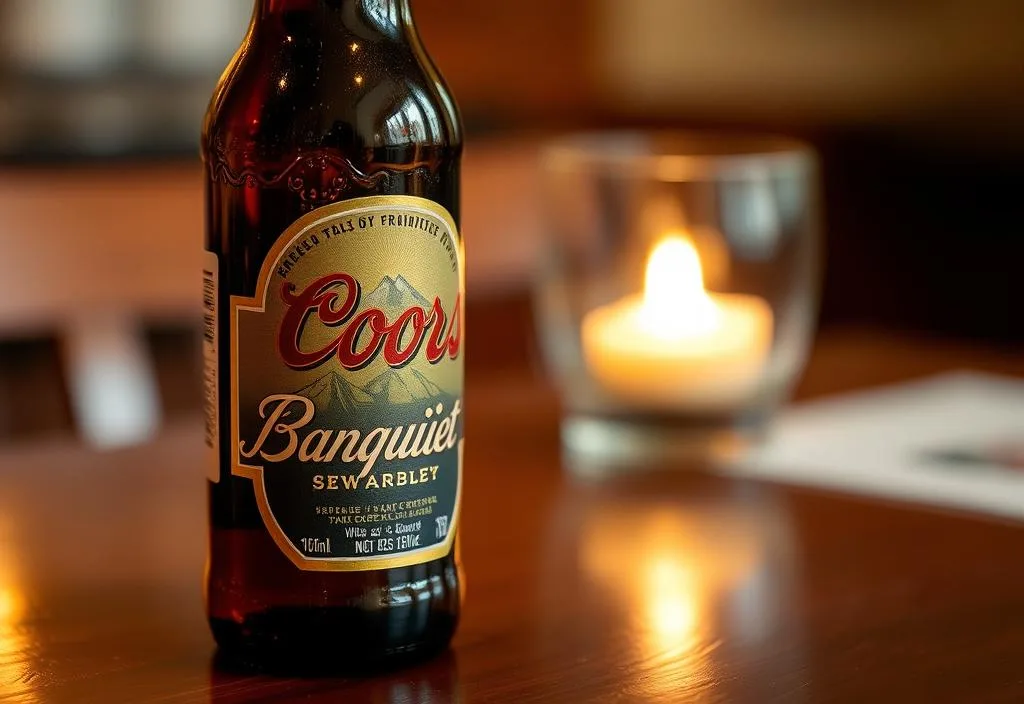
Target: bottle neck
{"points": [[389, 16]]}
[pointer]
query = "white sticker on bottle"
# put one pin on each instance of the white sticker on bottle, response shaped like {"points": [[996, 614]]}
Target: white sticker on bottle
{"points": [[211, 397]]}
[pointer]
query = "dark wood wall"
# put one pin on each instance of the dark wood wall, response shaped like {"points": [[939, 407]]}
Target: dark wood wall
{"points": [[523, 63]]}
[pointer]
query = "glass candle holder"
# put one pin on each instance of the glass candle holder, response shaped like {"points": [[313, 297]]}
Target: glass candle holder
{"points": [[677, 299]]}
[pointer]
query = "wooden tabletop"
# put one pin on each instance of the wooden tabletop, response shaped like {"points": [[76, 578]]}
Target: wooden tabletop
{"points": [[675, 585]]}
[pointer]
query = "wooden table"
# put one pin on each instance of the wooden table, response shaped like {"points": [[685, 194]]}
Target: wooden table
{"points": [[674, 586]]}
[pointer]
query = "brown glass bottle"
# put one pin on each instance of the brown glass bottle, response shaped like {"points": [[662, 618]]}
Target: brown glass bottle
{"points": [[326, 101]]}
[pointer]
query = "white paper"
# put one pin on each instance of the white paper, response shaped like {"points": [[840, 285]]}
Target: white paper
{"points": [[956, 441]]}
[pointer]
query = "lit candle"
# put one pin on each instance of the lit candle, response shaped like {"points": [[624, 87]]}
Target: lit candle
{"points": [[677, 346]]}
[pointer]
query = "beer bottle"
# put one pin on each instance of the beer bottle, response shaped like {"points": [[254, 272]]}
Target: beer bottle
{"points": [[334, 285]]}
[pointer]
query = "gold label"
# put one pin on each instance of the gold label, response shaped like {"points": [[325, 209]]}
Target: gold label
{"points": [[346, 385]]}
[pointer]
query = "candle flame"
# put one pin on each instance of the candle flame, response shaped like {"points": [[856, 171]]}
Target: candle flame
{"points": [[675, 304]]}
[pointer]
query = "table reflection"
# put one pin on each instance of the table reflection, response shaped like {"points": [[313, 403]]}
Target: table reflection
{"points": [[673, 610], [17, 669], [435, 681], [679, 576]]}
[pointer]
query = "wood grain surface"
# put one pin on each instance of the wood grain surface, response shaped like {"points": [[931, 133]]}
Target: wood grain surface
{"points": [[670, 586]]}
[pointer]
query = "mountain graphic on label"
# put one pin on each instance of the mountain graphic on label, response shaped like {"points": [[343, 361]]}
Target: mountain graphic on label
{"points": [[333, 394], [395, 296], [402, 386]]}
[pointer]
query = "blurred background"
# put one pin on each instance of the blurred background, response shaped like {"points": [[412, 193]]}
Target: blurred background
{"points": [[916, 106]]}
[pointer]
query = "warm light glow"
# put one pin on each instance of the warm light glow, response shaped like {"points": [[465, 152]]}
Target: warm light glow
{"points": [[359, 80], [673, 271], [16, 665], [353, 47], [671, 569], [12, 605], [675, 304], [675, 345], [668, 585], [674, 606]]}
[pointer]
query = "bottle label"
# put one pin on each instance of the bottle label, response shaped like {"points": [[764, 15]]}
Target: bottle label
{"points": [[346, 385]]}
